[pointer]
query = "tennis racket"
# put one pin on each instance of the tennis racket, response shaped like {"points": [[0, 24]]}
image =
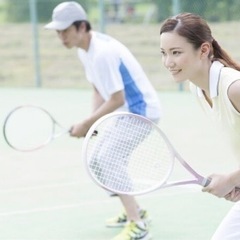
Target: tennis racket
{"points": [[131, 155], [28, 128]]}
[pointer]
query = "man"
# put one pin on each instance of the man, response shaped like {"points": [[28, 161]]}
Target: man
{"points": [[119, 84]]}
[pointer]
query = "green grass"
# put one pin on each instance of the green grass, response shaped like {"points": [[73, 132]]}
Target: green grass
{"points": [[60, 67]]}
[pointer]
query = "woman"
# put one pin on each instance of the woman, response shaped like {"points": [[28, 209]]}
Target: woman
{"points": [[190, 52]]}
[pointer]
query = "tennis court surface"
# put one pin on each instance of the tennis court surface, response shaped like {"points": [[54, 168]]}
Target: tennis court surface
{"points": [[47, 194]]}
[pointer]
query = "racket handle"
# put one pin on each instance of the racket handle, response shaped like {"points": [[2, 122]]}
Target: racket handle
{"points": [[206, 182], [95, 133]]}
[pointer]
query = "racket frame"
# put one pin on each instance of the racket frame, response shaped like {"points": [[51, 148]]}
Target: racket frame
{"points": [[51, 137], [198, 179]]}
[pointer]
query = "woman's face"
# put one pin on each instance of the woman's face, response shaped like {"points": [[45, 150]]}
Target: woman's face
{"points": [[179, 56]]}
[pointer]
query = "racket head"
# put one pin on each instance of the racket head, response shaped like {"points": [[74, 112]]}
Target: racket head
{"points": [[28, 128], [129, 155]]}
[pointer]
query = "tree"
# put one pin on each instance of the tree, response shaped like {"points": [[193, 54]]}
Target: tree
{"points": [[211, 10], [19, 10]]}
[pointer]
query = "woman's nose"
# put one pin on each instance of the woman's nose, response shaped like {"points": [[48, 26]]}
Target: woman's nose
{"points": [[168, 62]]}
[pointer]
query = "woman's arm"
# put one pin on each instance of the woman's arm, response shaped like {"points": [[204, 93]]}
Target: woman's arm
{"points": [[234, 94]]}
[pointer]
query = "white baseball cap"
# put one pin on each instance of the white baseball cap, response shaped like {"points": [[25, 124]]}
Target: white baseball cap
{"points": [[65, 14]]}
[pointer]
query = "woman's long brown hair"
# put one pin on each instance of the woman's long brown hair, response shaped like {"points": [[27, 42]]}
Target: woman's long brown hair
{"points": [[196, 31]]}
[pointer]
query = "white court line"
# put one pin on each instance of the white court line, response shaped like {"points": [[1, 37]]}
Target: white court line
{"points": [[189, 189], [60, 207], [57, 185], [47, 186]]}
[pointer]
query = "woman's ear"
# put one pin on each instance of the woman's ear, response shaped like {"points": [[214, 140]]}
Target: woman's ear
{"points": [[205, 49]]}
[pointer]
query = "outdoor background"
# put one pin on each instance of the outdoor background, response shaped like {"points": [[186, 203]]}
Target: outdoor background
{"points": [[47, 194], [32, 56]]}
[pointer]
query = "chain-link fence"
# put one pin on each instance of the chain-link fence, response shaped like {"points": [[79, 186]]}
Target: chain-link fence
{"points": [[33, 56], [125, 10]]}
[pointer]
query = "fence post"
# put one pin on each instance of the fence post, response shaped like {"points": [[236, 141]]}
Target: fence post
{"points": [[34, 22], [101, 16], [176, 8]]}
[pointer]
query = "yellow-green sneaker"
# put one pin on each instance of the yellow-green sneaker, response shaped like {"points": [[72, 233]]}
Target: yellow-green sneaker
{"points": [[121, 219], [133, 231]]}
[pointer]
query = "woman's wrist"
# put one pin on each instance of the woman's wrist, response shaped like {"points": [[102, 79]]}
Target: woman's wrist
{"points": [[235, 178]]}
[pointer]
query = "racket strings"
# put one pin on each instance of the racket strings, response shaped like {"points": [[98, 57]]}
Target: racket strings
{"points": [[28, 128], [128, 155], [109, 158]]}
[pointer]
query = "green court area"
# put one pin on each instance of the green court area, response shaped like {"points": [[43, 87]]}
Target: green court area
{"points": [[48, 195]]}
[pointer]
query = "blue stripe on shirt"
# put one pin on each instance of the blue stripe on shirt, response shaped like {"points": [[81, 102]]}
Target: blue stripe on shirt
{"points": [[133, 95]]}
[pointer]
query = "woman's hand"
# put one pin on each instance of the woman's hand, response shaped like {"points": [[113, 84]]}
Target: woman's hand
{"points": [[234, 195], [220, 186]]}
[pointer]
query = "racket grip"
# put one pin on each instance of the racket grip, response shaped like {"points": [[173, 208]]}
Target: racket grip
{"points": [[95, 133], [206, 182]]}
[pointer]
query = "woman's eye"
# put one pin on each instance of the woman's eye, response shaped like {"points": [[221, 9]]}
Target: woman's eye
{"points": [[176, 53], [162, 53]]}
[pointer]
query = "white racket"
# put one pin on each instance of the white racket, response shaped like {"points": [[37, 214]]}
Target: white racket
{"points": [[131, 155], [28, 128]]}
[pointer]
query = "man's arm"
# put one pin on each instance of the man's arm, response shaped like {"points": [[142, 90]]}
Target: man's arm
{"points": [[100, 109], [97, 99]]}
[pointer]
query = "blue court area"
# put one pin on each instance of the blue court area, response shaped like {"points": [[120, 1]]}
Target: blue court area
{"points": [[47, 194]]}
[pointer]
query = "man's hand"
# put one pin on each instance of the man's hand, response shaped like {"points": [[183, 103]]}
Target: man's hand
{"points": [[79, 130]]}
